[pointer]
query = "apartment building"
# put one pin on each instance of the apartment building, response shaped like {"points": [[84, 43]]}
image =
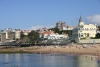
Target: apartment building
{"points": [[9, 34]]}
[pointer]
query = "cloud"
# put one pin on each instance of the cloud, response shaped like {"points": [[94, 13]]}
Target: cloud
{"points": [[95, 19], [40, 26]]}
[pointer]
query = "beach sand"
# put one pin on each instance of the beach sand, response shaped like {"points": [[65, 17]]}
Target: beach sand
{"points": [[76, 49], [70, 49]]}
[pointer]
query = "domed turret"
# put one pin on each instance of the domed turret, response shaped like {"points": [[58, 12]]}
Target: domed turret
{"points": [[81, 23]]}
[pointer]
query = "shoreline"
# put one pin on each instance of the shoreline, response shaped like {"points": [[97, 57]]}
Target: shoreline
{"points": [[76, 49]]}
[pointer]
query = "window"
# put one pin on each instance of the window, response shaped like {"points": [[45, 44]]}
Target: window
{"points": [[85, 28], [81, 35]]}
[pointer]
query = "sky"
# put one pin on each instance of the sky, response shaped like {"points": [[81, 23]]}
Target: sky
{"points": [[35, 14]]}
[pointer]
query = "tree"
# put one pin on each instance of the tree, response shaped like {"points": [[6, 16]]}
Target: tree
{"points": [[99, 28], [55, 29], [22, 35], [98, 35], [33, 36], [69, 32]]}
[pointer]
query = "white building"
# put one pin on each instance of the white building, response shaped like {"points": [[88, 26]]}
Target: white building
{"points": [[84, 31], [57, 36], [9, 34], [52, 35]]}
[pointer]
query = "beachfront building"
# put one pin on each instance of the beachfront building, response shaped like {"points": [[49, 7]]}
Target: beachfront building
{"points": [[84, 31], [9, 34], [52, 35], [57, 36]]}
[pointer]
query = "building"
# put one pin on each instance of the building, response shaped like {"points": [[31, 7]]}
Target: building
{"points": [[52, 35], [43, 29], [84, 31], [69, 27], [2, 37], [9, 34], [57, 36], [26, 32], [45, 34], [62, 26]]}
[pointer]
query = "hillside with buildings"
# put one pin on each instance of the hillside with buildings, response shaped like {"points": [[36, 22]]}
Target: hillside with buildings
{"points": [[60, 34]]}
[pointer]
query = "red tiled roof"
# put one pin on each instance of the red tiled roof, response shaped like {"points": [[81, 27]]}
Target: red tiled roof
{"points": [[48, 32]]}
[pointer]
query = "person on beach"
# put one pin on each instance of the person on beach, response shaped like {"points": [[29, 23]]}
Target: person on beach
{"points": [[72, 44], [93, 43]]}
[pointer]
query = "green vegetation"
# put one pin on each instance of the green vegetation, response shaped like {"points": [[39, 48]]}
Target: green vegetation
{"points": [[31, 38], [98, 35], [69, 32], [99, 28], [56, 30]]}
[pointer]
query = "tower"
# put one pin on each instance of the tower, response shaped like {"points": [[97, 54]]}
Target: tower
{"points": [[81, 23]]}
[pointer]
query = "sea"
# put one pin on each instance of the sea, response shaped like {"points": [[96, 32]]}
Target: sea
{"points": [[47, 60]]}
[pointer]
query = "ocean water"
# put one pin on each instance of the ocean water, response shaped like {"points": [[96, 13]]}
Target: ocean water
{"points": [[47, 60]]}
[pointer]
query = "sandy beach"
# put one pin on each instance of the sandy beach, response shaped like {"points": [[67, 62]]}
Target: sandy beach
{"points": [[70, 49], [76, 49]]}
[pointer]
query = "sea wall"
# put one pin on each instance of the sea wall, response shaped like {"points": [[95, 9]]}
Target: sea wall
{"points": [[89, 41]]}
